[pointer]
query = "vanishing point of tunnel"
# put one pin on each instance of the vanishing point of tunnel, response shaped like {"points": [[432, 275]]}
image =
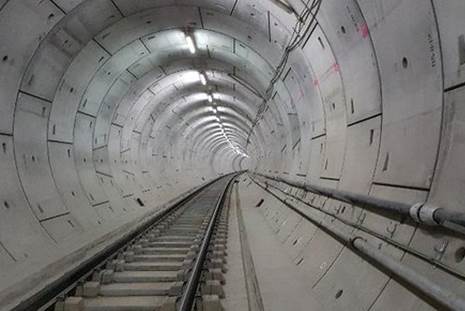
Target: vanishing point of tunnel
{"points": [[232, 155]]}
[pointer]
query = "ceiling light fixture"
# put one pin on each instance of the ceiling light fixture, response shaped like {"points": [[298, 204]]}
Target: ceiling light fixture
{"points": [[202, 78], [190, 44]]}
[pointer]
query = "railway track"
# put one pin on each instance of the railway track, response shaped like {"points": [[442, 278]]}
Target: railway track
{"points": [[177, 263]]}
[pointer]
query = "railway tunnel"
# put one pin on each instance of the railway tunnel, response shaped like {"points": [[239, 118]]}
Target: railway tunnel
{"points": [[321, 139]]}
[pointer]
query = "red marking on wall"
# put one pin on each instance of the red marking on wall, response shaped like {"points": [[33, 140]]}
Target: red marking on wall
{"points": [[334, 68], [364, 30]]}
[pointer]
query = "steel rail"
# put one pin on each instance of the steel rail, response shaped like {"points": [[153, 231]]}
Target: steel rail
{"points": [[188, 296], [60, 286]]}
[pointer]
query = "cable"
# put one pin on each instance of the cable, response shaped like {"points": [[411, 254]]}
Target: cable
{"points": [[296, 40]]}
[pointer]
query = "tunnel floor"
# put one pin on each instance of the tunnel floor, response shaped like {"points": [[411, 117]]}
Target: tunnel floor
{"points": [[246, 265], [236, 243], [278, 282]]}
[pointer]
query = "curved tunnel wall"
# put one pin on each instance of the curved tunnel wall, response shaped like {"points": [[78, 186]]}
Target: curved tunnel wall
{"points": [[100, 104]]}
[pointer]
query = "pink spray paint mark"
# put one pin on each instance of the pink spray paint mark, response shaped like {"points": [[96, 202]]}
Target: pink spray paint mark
{"points": [[336, 67], [364, 31]]}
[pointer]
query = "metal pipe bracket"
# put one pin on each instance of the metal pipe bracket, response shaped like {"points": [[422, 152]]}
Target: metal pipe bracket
{"points": [[423, 213]]}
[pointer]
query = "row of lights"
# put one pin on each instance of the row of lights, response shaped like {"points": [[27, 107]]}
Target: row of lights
{"points": [[231, 145], [236, 149], [203, 80]]}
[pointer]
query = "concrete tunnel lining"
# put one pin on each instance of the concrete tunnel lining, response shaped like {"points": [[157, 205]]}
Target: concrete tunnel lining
{"points": [[371, 103]]}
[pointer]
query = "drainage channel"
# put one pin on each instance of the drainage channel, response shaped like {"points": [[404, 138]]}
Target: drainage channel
{"points": [[177, 264]]}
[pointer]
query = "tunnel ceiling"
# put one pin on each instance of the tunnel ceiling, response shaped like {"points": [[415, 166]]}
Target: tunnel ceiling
{"points": [[103, 106]]}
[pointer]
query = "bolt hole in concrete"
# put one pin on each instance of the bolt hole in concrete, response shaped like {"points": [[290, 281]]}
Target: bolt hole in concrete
{"points": [[343, 29], [462, 49], [386, 162], [140, 202], [260, 203], [460, 254], [405, 62], [338, 294], [321, 43], [5, 58]]}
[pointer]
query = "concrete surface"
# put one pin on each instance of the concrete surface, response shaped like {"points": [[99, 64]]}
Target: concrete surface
{"points": [[104, 119], [282, 285]]}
